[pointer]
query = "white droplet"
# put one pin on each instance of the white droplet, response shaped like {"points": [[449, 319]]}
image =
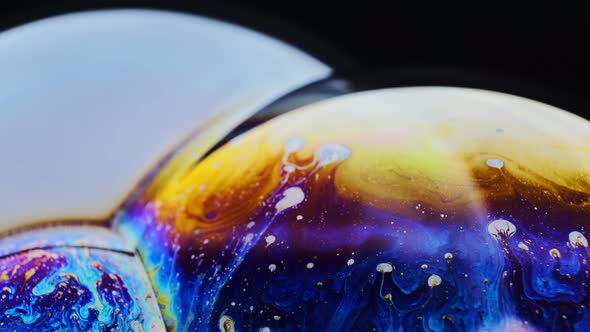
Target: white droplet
{"points": [[250, 224], [434, 281], [299, 217], [294, 144], [501, 227], [291, 197], [329, 153], [289, 168], [350, 262], [309, 265], [384, 268], [233, 304], [226, 324], [265, 329], [578, 239], [495, 163], [424, 266], [216, 163], [448, 256], [276, 317], [248, 238], [523, 246], [554, 253], [272, 267], [202, 187], [270, 240]]}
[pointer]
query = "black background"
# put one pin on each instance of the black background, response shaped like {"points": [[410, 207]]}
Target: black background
{"points": [[536, 50]]}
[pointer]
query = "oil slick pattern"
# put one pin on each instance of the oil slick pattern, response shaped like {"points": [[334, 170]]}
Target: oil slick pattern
{"points": [[377, 211], [67, 279]]}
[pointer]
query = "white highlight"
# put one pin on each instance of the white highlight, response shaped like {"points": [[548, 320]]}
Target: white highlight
{"points": [[384, 268], [248, 238], [495, 163], [578, 239], [501, 227], [330, 153], [270, 240], [434, 280], [291, 197]]}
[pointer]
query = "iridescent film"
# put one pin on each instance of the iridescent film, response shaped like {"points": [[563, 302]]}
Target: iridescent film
{"points": [[403, 209], [75, 285]]}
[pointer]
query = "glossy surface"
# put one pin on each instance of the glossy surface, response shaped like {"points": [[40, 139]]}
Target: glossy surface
{"points": [[92, 101], [414, 209], [63, 282]]}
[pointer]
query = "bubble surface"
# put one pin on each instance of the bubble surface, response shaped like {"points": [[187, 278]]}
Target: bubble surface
{"points": [[400, 209]]}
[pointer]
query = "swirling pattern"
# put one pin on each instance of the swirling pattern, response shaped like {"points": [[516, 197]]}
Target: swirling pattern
{"points": [[60, 283], [406, 209]]}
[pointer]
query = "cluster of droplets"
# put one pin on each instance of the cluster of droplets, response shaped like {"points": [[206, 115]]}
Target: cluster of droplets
{"points": [[289, 194], [503, 230], [540, 287], [433, 281], [324, 154]]}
